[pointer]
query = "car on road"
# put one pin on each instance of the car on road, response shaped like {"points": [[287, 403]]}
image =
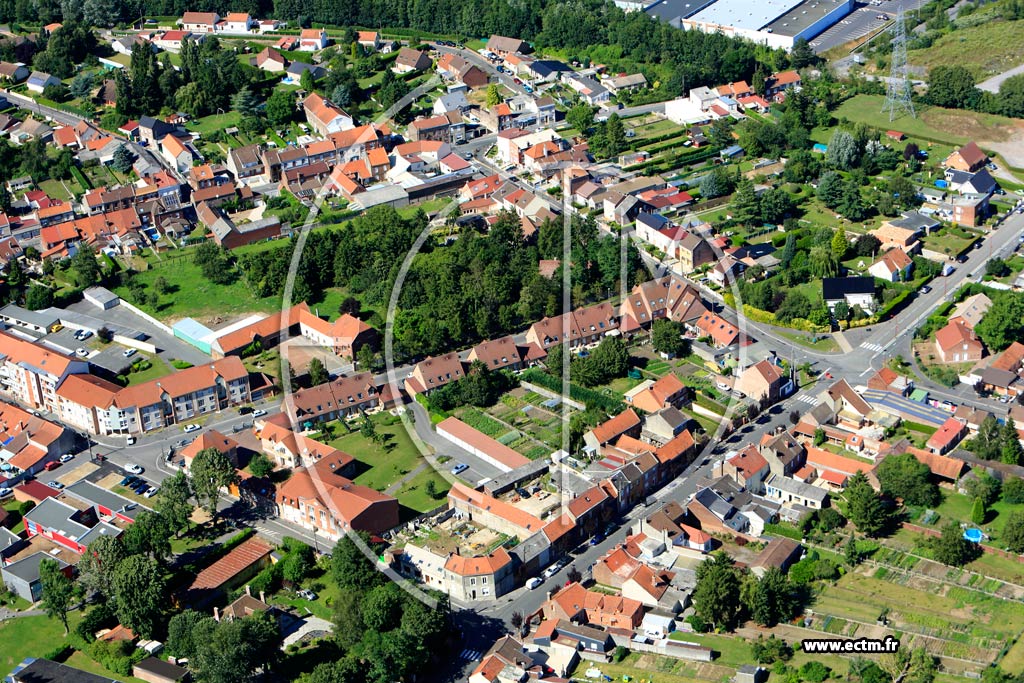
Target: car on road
{"points": [[182, 443], [193, 427], [128, 353], [307, 594], [534, 582], [926, 289], [52, 465], [259, 413], [67, 457], [82, 353], [56, 485], [551, 571], [596, 538], [82, 335], [460, 468], [133, 468], [5, 491]]}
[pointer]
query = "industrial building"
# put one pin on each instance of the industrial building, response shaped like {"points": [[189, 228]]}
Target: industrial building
{"points": [[776, 23]]}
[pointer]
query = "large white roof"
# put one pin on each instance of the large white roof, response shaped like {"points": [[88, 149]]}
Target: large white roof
{"points": [[751, 15]]}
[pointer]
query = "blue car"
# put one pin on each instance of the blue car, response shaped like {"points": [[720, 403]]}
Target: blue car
{"points": [[141, 488]]}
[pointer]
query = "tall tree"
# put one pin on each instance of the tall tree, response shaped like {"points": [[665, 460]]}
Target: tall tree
{"points": [[904, 476], [744, 204], [772, 599], [839, 244], [580, 117], [139, 590], [174, 503], [716, 598], [318, 373], [865, 508], [350, 568], [211, 471], [58, 591], [1004, 321], [98, 563], [952, 548], [951, 86], [149, 535]]}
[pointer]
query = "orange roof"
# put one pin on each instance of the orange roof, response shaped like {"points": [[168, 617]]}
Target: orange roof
{"points": [[476, 566], [749, 461], [586, 501], [366, 36], [680, 444], [240, 558], [940, 465], [87, 390], [19, 351], [55, 210], [826, 460], [955, 334], [653, 583], [209, 439], [378, 156], [174, 146], [64, 136], [236, 16], [618, 425], [947, 434], [558, 527], [267, 327], [1011, 358], [311, 34], [508, 512]]}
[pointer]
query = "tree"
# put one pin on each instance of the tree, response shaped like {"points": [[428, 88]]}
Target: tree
{"points": [[771, 649], [139, 590], [493, 95], [98, 13], [788, 252], [610, 359], [909, 666], [58, 591], [174, 503], [318, 373], [580, 117], [382, 607], [246, 103], [81, 85], [852, 553], [350, 568], [615, 135], [1011, 452], [841, 311], [1013, 531], [830, 189], [772, 599], [233, 651], [716, 596], [951, 86], [839, 244], [1004, 321], [667, 337], [341, 95], [866, 245], [38, 296], [181, 630], [851, 204], [211, 471], [715, 184], [904, 476], [865, 508], [802, 54], [85, 267], [260, 465], [744, 204], [776, 205], [149, 535], [952, 548], [123, 159], [1011, 97], [842, 151], [98, 563], [280, 107], [978, 511], [1013, 490]]}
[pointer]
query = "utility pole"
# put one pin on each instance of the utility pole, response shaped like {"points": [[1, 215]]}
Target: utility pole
{"points": [[897, 88]]}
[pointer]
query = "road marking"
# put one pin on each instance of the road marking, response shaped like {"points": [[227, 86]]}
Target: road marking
{"points": [[806, 398], [470, 654], [870, 369], [872, 347]]}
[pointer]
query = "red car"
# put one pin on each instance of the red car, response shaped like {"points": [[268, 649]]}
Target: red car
{"points": [[51, 465]]}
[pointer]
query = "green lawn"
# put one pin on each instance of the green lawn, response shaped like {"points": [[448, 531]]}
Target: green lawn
{"points": [[957, 507], [955, 240], [381, 464], [413, 493], [60, 190], [986, 50], [214, 122], [825, 343], [950, 126], [157, 370], [194, 295]]}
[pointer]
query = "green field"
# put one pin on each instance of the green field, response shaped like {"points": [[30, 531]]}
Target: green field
{"points": [[194, 295], [381, 464], [950, 241], [943, 125], [986, 49], [158, 369], [825, 344], [413, 493]]}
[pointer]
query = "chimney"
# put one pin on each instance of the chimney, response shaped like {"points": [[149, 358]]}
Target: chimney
{"points": [[247, 591], [262, 599], [216, 614]]}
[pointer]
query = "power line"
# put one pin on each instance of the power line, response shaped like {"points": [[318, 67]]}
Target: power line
{"points": [[897, 88]]}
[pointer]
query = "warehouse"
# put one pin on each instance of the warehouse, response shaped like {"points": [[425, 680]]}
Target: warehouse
{"points": [[776, 23]]}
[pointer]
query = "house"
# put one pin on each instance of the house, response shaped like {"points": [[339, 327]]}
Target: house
{"points": [[493, 513], [947, 436], [577, 604], [957, 343], [626, 83], [324, 116], [155, 670], [453, 100], [200, 22], [779, 83], [971, 310], [748, 468], [38, 81], [239, 565], [312, 39], [40, 670], [368, 40], [764, 381], [721, 332], [780, 553], [980, 182], [246, 162], [626, 422], [666, 392], [506, 660], [893, 266], [968, 158], [433, 373], [179, 152], [237, 22], [887, 379], [410, 60], [22, 577], [454, 68], [579, 327], [271, 60], [503, 46], [13, 72], [789, 491], [498, 354], [855, 291], [447, 127], [479, 444], [589, 90], [296, 69], [211, 438], [345, 336]]}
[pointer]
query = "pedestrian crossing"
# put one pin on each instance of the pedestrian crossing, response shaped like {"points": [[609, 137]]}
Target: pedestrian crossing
{"points": [[872, 347], [471, 655], [806, 398]]}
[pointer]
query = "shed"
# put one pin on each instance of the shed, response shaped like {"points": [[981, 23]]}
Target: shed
{"points": [[159, 671], [195, 333], [101, 297]]}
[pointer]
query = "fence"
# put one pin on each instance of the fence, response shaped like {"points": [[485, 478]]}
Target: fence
{"points": [[147, 317], [550, 394], [665, 647]]}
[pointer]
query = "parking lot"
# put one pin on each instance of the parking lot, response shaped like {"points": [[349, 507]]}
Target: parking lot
{"points": [[856, 25]]}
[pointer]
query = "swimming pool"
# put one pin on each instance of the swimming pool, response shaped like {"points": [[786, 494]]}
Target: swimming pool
{"points": [[973, 535]]}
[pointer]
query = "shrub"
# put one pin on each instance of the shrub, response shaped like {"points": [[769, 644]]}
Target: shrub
{"points": [[815, 672]]}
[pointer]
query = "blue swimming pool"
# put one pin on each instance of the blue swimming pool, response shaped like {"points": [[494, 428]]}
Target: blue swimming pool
{"points": [[973, 535]]}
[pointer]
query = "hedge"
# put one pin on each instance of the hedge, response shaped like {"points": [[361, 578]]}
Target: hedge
{"points": [[588, 397]]}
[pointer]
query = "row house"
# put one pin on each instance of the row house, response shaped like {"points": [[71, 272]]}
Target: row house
{"points": [[580, 327], [30, 374], [324, 116], [447, 127], [465, 578], [200, 22], [667, 297], [345, 336], [433, 373], [339, 399], [289, 449], [452, 67]]}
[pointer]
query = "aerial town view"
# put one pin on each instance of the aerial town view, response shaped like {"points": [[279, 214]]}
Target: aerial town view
{"points": [[490, 341]]}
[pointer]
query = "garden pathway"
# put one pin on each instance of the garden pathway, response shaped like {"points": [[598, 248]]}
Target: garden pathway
{"points": [[393, 489]]}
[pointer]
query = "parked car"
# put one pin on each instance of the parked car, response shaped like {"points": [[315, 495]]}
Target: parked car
{"points": [[140, 488], [129, 481], [56, 485], [259, 413], [128, 353], [926, 289], [551, 571], [82, 353], [534, 582], [133, 468], [67, 457], [52, 465], [152, 491], [5, 491], [189, 428], [307, 594], [460, 468]]}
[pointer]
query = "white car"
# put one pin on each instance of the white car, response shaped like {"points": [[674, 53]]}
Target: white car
{"points": [[132, 468], [5, 491], [128, 353], [534, 583], [259, 413], [67, 457], [151, 491], [189, 428], [82, 353], [551, 571]]}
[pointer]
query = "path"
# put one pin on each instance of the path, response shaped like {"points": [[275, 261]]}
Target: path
{"points": [[393, 489], [843, 343], [992, 84], [6, 613]]}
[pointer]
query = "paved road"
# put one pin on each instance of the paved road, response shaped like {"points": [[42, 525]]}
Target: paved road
{"points": [[992, 84]]}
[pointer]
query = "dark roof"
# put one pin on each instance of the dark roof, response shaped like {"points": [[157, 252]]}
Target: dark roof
{"points": [[839, 287], [47, 671], [544, 67], [162, 668]]}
